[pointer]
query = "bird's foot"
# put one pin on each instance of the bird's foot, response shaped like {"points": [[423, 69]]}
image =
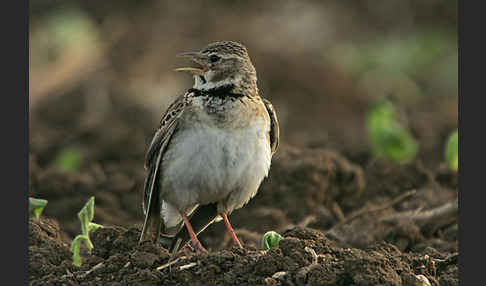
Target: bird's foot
{"points": [[232, 233], [236, 242], [198, 248]]}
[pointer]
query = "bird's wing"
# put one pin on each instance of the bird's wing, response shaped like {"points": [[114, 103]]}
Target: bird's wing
{"points": [[274, 127], [166, 126], [151, 201]]}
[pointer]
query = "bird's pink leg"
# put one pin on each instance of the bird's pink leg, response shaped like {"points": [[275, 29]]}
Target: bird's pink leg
{"points": [[197, 244], [231, 231]]}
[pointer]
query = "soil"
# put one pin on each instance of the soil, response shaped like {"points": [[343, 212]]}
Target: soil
{"points": [[346, 218], [304, 257]]}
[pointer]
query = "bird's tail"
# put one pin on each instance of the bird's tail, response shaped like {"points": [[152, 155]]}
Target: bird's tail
{"points": [[151, 204]]}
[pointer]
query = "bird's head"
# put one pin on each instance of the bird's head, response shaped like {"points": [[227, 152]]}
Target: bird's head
{"points": [[222, 63]]}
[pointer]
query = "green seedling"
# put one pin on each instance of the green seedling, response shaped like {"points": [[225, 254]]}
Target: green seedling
{"points": [[271, 240], [452, 150], [69, 159], [85, 216], [36, 206], [387, 137]]}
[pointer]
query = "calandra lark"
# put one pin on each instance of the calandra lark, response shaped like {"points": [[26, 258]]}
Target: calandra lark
{"points": [[212, 149]]}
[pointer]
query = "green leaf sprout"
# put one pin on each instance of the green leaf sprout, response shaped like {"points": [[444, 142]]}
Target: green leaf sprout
{"points": [[36, 206], [85, 216], [452, 150], [271, 240], [387, 137], [69, 159]]}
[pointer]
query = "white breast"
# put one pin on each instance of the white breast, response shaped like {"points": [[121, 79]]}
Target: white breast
{"points": [[206, 164]]}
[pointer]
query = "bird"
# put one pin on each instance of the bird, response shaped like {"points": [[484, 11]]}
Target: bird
{"points": [[212, 149]]}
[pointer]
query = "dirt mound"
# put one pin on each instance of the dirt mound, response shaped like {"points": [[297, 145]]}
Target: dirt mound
{"points": [[374, 222], [327, 187], [48, 256], [304, 257], [116, 190]]}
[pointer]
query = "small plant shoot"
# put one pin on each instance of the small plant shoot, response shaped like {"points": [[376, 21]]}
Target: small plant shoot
{"points": [[69, 159], [85, 216], [387, 137], [36, 206], [452, 150], [271, 239]]}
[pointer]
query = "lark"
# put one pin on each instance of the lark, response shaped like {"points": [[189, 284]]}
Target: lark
{"points": [[212, 150]]}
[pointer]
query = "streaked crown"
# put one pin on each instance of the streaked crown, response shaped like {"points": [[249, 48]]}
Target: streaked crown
{"points": [[226, 48]]}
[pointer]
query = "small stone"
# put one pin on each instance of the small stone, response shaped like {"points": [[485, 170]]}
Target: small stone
{"points": [[279, 275], [424, 280], [270, 281]]}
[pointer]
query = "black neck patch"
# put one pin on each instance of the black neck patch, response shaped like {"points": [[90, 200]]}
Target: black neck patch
{"points": [[202, 79], [223, 91]]}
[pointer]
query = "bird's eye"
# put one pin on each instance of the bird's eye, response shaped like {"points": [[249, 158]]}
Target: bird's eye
{"points": [[214, 58]]}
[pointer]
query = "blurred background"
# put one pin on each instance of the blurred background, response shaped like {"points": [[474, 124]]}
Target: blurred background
{"points": [[101, 75]]}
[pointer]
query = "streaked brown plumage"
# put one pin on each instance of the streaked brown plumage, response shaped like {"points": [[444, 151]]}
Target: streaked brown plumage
{"points": [[212, 149]]}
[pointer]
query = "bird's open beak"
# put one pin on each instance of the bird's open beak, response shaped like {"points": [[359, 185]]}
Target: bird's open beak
{"points": [[197, 58]]}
